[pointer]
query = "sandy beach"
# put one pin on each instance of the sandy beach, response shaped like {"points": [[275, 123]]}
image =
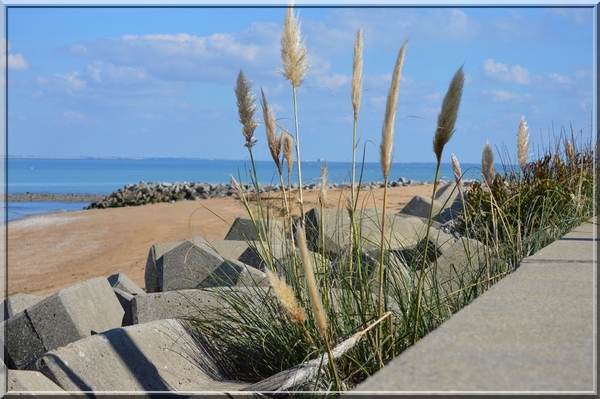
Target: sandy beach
{"points": [[51, 252]]}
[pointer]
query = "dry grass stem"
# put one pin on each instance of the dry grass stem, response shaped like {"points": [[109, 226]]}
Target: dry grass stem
{"points": [[293, 49], [523, 144], [488, 170], [285, 295], [357, 66], [449, 113], [387, 133], [246, 108], [311, 283], [269, 119], [457, 175]]}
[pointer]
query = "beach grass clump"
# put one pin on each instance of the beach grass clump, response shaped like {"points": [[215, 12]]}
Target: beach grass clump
{"points": [[522, 210], [319, 311]]}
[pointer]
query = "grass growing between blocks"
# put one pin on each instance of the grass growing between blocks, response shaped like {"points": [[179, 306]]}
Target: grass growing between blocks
{"points": [[341, 311]]}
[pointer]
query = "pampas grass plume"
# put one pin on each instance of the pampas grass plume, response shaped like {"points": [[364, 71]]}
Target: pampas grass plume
{"points": [[457, 175], [449, 113], [522, 144], [293, 49], [246, 108], [387, 132], [287, 152], [285, 295], [357, 67], [269, 118], [488, 170], [323, 187], [570, 152], [311, 283]]}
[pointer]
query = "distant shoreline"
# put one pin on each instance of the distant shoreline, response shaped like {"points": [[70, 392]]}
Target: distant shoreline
{"points": [[47, 197]]}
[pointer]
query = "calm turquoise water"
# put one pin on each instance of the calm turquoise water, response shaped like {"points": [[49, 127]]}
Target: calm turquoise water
{"points": [[103, 176]]}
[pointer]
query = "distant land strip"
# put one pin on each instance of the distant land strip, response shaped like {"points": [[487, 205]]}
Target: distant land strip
{"points": [[47, 197]]}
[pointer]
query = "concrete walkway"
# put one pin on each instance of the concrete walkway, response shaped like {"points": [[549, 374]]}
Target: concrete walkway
{"points": [[534, 331]]}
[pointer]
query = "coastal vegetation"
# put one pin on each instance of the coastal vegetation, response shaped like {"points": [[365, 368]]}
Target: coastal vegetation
{"points": [[344, 318]]}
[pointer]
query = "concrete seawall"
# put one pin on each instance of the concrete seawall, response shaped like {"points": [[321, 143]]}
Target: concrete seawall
{"points": [[534, 331]]}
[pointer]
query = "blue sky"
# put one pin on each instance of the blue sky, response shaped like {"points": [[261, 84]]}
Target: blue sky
{"points": [[158, 82]]}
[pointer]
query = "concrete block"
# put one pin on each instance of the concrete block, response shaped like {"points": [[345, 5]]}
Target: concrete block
{"points": [[197, 265], [124, 283], [164, 355], [447, 193], [177, 304], [154, 265], [234, 273], [27, 382], [402, 231], [71, 314], [187, 265], [450, 212], [123, 297], [22, 343], [421, 205], [462, 261], [243, 229], [17, 303], [228, 249]]}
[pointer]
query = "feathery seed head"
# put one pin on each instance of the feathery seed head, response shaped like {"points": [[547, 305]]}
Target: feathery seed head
{"points": [[236, 186], [323, 187], [387, 132], [311, 283], [287, 152], [523, 143], [570, 152], [286, 298], [293, 49], [457, 175], [488, 170], [269, 119], [246, 108], [449, 113], [357, 66]]}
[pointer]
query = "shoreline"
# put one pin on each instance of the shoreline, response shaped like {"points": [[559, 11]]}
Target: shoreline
{"points": [[48, 197]]}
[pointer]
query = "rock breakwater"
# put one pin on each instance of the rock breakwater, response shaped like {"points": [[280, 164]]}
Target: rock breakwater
{"points": [[151, 193]]}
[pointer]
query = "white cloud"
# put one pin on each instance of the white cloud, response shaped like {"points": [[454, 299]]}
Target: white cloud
{"points": [[185, 57], [573, 15], [560, 79], [334, 81], [74, 116], [101, 71], [504, 96], [503, 73], [17, 62], [433, 97], [70, 82]]}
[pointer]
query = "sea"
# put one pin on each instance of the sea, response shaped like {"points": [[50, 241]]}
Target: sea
{"points": [[106, 175]]}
